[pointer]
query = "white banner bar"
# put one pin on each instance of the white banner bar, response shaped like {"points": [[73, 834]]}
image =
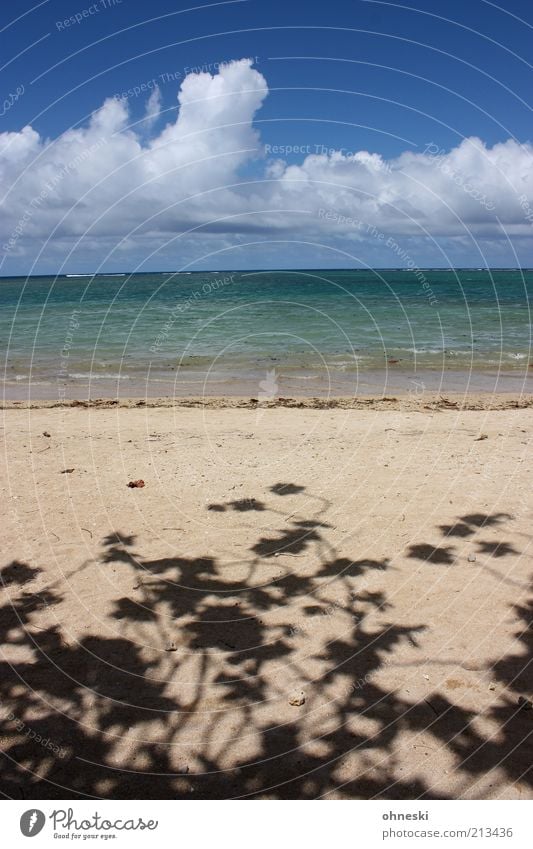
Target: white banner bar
{"points": [[264, 825]]}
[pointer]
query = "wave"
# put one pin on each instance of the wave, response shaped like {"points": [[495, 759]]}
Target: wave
{"points": [[92, 376]]}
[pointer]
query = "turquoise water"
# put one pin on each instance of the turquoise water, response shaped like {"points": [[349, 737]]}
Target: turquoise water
{"points": [[299, 331]]}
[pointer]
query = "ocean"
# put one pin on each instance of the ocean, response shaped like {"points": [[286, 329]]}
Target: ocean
{"points": [[266, 333]]}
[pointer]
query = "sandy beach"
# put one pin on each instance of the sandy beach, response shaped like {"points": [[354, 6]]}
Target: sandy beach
{"points": [[304, 600]]}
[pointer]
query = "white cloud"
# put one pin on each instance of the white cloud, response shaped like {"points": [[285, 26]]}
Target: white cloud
{"points": [[153, 107], [107, 181]]}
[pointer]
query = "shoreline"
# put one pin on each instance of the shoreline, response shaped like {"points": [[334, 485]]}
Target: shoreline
{"points": [[405, 402], [271, 383]]}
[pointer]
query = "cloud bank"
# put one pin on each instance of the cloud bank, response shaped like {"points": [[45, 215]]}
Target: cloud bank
{"points": [[205, 182]]}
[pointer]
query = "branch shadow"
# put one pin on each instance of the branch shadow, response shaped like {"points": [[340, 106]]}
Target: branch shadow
{"points": [[207, 713]]}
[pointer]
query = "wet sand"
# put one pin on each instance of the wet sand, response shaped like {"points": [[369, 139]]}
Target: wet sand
{"points": [[273, 383]]}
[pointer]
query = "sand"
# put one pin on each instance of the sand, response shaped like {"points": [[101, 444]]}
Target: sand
{"points": [[299, 603]]}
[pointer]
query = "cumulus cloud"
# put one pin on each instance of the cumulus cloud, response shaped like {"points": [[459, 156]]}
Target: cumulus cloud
{"points": [[153, 106], [206, 174]]}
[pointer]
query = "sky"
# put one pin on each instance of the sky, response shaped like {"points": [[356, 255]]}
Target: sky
{"points": [[148, 136]]}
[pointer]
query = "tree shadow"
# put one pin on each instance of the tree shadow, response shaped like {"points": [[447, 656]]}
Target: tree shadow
{"points": [[286, 489], [242, 505], [190, 699], [442, 555], [458, 529], [18, 573]]}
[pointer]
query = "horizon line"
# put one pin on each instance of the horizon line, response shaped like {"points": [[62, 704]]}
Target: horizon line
{"points": [[269, 270]]}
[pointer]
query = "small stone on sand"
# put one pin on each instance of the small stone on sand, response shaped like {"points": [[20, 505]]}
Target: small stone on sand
{"points": [[297, 699]]}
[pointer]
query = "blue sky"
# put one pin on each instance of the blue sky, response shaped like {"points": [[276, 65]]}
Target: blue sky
{"points": [[373, 77]]}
